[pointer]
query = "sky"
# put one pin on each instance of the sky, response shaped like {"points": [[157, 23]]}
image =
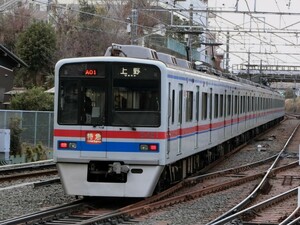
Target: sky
{"points": [[258, 35]]}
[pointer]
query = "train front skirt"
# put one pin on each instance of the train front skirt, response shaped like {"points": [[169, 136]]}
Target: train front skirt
{"points": [[74, 177]]}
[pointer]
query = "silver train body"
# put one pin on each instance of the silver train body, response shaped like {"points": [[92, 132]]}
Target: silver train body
{"points": [[125, 153]]}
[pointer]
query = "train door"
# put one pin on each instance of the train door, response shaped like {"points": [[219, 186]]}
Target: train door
{"points": [[93, 114], [180, 111]]}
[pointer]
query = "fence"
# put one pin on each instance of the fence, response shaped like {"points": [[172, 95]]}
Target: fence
{"points": [[36, 126]]}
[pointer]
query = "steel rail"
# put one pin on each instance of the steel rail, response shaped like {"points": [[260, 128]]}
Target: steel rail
{"points": [[39, 216], [26, 166], [295, 221], [221, 219], [289, 220], [263, 204]]}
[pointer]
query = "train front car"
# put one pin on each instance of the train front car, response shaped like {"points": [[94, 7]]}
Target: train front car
{"points": [[108, 134]]}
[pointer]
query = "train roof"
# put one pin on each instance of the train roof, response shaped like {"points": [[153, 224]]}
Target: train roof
{"points": [[140, 52], [184, 63], [133, 51], [166, 58]]}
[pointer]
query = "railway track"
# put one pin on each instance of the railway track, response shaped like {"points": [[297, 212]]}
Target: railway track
{"points": [[246, 177], [13, 173], [82, 213], [274, 201]]}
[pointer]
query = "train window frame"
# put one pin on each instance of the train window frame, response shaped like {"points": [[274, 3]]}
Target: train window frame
{"points": [[173, 106], [68, 100], [189, 106], [225, 103], [180, 103], [241, 104], [229, 105], [197, 103], [204, 105], [236, 104], [210, 104], [138, 85], [216, 105], [221, 105], [77, 75], [249, 104]]}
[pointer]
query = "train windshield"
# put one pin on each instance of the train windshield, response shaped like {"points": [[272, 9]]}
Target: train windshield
{"points": [[136, 93], [82, 94], [111, 94]]}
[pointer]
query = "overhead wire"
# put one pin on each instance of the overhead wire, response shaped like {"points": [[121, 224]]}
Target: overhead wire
{"points": [[263, 41], [199, 22]]}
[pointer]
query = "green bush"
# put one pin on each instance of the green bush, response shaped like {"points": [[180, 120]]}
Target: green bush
{"points": [[33, 99], [15, 132]]}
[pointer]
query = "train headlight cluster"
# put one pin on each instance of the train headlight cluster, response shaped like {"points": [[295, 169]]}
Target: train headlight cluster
{"points": [[67, 145], [149, 147]]}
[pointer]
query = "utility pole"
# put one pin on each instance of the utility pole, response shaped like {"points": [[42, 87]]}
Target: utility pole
{"points": [[189, 42], [227, 52], [249, 65], [134, 17]]}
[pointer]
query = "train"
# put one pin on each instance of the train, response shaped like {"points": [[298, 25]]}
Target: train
{"points": [[135, 121]]}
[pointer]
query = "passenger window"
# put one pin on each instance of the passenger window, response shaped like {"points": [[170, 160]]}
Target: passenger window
{"points": [[189, 106], [216, 106], [204, 106]]}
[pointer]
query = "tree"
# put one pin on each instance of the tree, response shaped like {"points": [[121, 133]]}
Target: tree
{"points": [[13, 23], [36, 46], [87, 11], [33, 99], [91, 31], [15, 133]]}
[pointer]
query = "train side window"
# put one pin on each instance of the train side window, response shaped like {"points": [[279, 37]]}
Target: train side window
{"points": [[244, 104], [204, 106], [225, 103], [216, 106], [189, 106], [173, 106], [232, 103], [260, 104], [228, 105], [221, 105], [249, 104], [235, 104], [241, 104], [180, 103], [197, 103], [210, 104]]}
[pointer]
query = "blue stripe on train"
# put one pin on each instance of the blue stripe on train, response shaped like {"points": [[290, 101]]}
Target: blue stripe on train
{"points": [[108, 146]]}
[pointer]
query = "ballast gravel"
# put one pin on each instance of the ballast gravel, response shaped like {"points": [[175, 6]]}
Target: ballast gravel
{"points": [[25, 199]]}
